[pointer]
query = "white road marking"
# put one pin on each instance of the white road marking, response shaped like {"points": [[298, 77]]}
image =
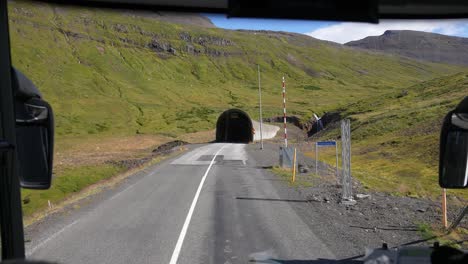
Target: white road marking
{"points": [[192, 158], [183, 232], [234, 152], [28, 254]]}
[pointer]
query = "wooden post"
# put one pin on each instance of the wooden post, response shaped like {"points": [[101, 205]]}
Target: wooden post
{"points": [[444, 208]]}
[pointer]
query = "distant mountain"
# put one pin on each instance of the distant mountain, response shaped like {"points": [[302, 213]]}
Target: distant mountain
{"points": [[419, 45]]}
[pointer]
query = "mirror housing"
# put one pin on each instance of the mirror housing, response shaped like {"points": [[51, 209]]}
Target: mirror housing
{"points": [[453, 159], [34, 134]]}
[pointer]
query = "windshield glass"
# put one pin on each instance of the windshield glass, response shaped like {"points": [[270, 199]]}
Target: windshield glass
{"points": [[194, 138]]}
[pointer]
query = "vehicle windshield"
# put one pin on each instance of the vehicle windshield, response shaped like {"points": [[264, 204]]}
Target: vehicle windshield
{"points": [[194, 138]]}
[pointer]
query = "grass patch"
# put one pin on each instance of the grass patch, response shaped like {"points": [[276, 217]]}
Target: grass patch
{"points": [[70, 181], [286, 176], [311, 87], [454, 239], [395, 138]]}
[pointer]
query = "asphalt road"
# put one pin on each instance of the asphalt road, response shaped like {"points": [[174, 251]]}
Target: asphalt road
{"points": [[214, 204]]}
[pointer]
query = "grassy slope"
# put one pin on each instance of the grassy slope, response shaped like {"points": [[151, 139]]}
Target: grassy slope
{"points": [[396, 136], [71, 180], [103, 81]]}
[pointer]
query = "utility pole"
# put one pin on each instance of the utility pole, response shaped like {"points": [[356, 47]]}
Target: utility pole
{"points": [[260, 102]]}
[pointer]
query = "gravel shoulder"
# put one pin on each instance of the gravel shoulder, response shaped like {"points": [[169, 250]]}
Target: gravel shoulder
{"points": [[349, 230]]}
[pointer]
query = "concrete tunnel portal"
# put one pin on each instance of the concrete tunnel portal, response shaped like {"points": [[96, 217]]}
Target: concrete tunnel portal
{"points": [[234, 126]]}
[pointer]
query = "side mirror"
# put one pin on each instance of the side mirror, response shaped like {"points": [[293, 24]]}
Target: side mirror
{"points": [[453, 161], [34, 134]]}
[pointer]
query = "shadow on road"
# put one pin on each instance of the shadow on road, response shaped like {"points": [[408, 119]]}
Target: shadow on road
{"points": [[272, 199]]}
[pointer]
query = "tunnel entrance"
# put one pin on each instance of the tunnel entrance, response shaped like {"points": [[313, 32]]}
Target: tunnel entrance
{"points": [[234, 126]]}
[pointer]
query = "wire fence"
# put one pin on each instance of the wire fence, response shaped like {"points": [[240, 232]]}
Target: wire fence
{"points": [[332, 159]]}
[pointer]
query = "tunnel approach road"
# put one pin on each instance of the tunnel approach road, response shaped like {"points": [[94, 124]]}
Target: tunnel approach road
{"points": [[212, 204]]}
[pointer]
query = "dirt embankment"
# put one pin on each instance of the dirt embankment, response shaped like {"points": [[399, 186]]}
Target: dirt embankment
{"points": [[74, 152], [310, 127], [128, 151], [163, 149]]}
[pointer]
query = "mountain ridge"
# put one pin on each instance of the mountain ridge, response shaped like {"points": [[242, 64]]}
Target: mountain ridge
{"points": [[193, 19], [419, 45]]}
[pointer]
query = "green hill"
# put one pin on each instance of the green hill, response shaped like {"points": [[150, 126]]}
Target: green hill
{"points": [[418, 45], [112, 72], [396, 136]]}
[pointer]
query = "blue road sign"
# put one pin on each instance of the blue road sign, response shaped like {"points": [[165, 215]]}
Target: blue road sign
{"points": [[326, 143]]}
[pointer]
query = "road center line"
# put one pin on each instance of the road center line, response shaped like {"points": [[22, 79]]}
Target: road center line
{"points": [[183, 232]]}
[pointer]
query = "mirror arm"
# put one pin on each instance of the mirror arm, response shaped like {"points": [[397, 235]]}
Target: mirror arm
{"points": [[30, 122], [462, 107]]}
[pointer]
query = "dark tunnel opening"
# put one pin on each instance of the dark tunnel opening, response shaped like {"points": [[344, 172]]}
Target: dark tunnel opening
{"points": [[234, 126]]}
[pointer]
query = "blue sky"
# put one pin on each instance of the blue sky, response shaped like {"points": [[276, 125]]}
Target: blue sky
{"points": [[342, 32], [298, 26]]}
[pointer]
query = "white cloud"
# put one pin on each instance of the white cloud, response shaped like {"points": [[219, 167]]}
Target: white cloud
{"points": [[348, 31]]}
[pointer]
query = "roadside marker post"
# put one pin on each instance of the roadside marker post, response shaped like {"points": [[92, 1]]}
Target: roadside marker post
{"points": [[444, 208], [260, 106], [284, 115]]}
